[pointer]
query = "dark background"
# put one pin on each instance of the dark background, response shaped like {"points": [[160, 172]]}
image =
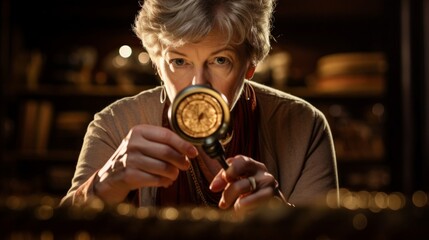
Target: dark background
{"points": [[307, 30]]}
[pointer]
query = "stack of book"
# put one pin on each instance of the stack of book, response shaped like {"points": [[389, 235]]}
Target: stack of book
{"points": [[355, 71]]}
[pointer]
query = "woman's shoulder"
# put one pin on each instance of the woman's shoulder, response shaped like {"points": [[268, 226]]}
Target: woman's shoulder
{"points": [[141, 107], [149, 97], [273, 100]]}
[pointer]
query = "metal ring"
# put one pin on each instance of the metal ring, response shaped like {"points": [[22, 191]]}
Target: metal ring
{"points": [[252, 182]]}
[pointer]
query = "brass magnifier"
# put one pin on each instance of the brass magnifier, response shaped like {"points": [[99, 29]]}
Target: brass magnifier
{"points": [[200, 115]]}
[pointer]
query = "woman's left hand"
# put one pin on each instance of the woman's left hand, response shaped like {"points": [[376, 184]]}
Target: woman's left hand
{"points": [[246, 184]]}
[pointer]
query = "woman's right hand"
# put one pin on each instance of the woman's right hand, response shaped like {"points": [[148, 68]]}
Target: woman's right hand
{"points": [[150, 156]]}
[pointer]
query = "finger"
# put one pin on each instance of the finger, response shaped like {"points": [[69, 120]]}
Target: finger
{"points": [[254, 200], [164, 135], [159, 151], [218, 183], [234, 190], [246, 186], [242, 166], [134, 179], [160, 143], [154, 166]]}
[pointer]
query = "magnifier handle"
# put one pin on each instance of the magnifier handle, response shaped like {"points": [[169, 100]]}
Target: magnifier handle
{"points": [[215, 150]]}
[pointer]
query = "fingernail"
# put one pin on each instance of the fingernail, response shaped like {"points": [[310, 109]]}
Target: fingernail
{"points": [[222, 203], [192, 152], [187, 164], [214, 183]]}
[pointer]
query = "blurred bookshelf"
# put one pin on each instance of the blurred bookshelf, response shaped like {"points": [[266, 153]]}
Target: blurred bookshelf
{"points": [[59, 77]]}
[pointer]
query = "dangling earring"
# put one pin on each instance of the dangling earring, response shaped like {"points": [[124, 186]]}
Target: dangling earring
{"points": [[163, 94], [246, 91], [249, 75]]}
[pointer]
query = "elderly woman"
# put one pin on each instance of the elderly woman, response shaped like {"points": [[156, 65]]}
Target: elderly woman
{"points": [[280, 146]]}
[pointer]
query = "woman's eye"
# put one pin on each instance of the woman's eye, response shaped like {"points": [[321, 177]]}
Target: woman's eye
{"points": [[178, 61], [221, 60]]}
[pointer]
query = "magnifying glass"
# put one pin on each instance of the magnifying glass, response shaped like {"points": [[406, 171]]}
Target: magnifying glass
{"points": [[200, 115]]}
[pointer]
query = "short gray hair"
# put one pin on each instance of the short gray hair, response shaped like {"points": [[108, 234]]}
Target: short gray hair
{"points": [[176, 22]]}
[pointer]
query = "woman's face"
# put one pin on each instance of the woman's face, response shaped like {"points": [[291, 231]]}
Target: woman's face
{"points": [[209, 62]]}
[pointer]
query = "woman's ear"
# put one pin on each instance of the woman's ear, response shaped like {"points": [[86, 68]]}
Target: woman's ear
{"points": [[250, 72]]}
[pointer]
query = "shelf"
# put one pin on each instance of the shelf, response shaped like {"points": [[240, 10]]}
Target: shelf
{"points": [[117, 91], [47, 156], [50, 91], [306, 92], [362, 9]]}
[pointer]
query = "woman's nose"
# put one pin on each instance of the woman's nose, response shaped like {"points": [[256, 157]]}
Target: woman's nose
{"points": [[201, 77]]}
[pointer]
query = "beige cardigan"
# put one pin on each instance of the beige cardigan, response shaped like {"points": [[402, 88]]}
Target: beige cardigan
{"points": [[295, 144]]}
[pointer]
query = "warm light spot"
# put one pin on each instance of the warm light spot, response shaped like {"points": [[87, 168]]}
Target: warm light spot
{"points": [[96, 204], [332, 199], [82, 235], [125, 51], [144, 58], [381, 200], [279, 67], [360, 221], [124, 209], [349, 200], [46, 235], [197, 213], [396, 201], [420, 199], [118, 61], [364, 199], [170, 213], [48, 200], [142, 212], [372, 205], [213, 215], [15, 203], [378, 109], [44, 212]]}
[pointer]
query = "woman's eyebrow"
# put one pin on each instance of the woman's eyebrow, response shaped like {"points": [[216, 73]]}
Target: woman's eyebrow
{"points": [[223, 49], [227, 49], [176, 52]]}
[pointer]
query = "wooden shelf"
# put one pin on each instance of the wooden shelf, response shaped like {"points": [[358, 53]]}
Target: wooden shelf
{"points": [[314, 93], [47, 156], [334, 9], [72, 91]]}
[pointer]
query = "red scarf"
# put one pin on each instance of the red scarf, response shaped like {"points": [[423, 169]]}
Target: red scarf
{"points": [[244, 141]]}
